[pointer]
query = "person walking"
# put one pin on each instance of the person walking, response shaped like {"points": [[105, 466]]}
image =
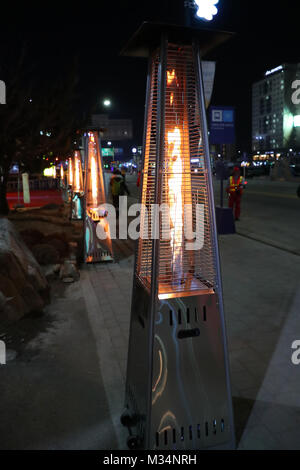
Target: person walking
{"points": [[118, 188], [235, 191], [123, 172]]}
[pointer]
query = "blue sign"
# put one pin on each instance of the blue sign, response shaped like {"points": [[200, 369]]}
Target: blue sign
{"points": [[222, 125]]}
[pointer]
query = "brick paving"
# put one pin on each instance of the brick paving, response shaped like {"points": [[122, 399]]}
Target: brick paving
{"points": [[262, 322]]}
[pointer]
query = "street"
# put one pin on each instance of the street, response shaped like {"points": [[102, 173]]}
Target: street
{"points": [[271, 213]]}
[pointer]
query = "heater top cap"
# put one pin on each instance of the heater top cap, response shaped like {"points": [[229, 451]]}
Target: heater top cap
{"points": [[148, 37]]}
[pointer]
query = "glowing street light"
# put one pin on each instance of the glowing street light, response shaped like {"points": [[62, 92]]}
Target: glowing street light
{"points": [[107, 103], [206, 9]]}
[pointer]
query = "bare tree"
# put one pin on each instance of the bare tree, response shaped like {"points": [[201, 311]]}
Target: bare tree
{"points": [[39, 121]]}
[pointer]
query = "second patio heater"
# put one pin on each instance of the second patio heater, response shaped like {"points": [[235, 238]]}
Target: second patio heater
{"points": [[96, 211], [178, 388], [77, 188], [62, 176], [70, 176]]}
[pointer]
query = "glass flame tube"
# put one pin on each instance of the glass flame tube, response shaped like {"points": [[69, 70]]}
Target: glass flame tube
{"points": [[78, 181], [70, 172], [178, 176]]}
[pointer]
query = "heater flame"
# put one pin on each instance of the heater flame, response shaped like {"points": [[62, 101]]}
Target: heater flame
{"points": [[78, 173], [171, 76], [175, 194], [94, 180], [62, 171], [70, 172]]}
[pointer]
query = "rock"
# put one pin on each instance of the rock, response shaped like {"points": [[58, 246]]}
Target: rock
{"points": [[46, 254], [51, 206], [51, 271], [23, 286], [69, 272], [60, 245], [31, 237]]}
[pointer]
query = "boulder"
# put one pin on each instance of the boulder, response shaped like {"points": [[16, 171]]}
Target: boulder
{"points": [[46, 254], [69, 272], [31, 237], [23, 286]]}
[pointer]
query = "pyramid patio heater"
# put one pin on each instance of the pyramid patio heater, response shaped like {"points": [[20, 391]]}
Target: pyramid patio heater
{"points": [[70, 176], [62, 177], [178, 387], [77, 188], [97, 239]]}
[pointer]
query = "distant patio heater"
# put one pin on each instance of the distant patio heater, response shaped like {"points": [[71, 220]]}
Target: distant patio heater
{"points": [[77, 188], [62, 183], [97, 248], [178, 393]]}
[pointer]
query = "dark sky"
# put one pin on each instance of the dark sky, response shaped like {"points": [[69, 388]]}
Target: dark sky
{"points": [[267, 34]]}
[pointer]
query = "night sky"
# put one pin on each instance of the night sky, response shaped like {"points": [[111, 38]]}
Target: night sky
{"points": [[267, 34]]}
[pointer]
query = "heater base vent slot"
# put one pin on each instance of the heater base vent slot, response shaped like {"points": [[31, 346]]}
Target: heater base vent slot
{"points": [[182, 334], [189, 434]]}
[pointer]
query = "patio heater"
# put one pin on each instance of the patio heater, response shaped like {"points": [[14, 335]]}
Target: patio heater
{"points": [[62, 176], [77, 188], [70, 176], [97, 248], [178, 392]]}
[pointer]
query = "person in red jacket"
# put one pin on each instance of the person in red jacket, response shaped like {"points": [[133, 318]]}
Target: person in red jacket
{"points": [[235, 191]]}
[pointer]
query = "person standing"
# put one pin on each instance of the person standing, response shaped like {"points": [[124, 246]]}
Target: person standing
{"points": [[235, 191]]}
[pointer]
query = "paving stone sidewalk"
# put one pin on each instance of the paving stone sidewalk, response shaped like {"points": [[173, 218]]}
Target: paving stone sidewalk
{"points": [[262, 309]]}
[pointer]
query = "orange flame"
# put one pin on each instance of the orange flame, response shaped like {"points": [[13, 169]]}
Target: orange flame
{"points": [[70, 172], [78, 186], [171, 76], [94, 180], [175, 192], [62, 174]]}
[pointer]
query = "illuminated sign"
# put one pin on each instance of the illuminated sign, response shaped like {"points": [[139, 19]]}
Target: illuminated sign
{"points": [[222, 125], [107, 152], [50, 172], [277, 69], [297, 121], [206, 9]]}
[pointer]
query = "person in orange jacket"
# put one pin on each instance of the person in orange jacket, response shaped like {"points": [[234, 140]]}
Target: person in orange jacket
{"points": [[235, 191]]}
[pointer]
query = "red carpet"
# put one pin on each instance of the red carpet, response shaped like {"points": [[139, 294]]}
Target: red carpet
{"points": [[37, 198]]}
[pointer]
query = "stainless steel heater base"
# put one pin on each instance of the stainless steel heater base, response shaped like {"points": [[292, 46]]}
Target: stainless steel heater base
{"points": [[189, 406]]}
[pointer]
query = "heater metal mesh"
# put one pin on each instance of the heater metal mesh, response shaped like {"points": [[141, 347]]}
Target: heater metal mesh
{"points": [[77, 173], [94, 184], [184, 183]]}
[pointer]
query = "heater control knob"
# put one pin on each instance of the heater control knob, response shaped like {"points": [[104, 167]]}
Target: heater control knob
{"points": [[133, 442], [126, 418]]}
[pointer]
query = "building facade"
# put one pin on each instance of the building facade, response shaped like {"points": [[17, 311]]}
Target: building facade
{"points": [[113, 129], [276, 111]]}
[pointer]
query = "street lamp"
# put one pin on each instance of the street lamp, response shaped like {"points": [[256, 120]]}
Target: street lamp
{"points": [[107, 102], [206, 9]]}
